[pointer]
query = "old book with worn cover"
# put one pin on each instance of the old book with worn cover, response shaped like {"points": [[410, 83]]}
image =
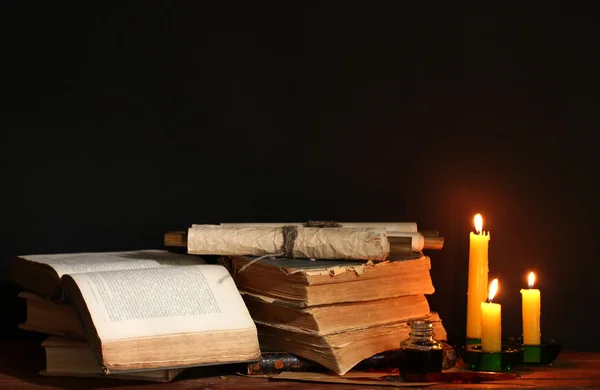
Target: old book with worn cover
{"points": [[163, 318], [41, 273], [326, 319], [341, 351], [311, 283], [50, 317], [66, 357]]}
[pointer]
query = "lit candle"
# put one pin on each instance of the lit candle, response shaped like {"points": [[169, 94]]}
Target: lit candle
{"points": [[478, 277], [531, 313], [491, 322]]}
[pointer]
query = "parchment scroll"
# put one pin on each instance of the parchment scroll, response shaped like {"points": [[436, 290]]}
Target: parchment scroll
{"points": [[312, 243]]}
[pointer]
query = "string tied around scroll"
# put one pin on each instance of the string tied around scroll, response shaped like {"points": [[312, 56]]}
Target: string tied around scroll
{"points": [[290, 232]]}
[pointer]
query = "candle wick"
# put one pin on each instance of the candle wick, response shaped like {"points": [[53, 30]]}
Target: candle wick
{"points": [[488, 300]]}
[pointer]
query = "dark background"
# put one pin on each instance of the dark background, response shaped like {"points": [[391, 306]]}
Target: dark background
{"points": [[120, 123]]}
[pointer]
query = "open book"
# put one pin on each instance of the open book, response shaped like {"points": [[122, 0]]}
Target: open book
{"points": [[165, 317], [140, 310], [41, 273]]}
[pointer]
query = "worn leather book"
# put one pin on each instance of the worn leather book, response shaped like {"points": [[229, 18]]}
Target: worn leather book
{"points": [[388, 361], [326, 319], [49, 317], [308, 283], [72, 358], [341, 351]]}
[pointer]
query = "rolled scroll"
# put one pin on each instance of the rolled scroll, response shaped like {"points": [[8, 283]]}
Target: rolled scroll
{"points": [[310, 243], [393, 229]]}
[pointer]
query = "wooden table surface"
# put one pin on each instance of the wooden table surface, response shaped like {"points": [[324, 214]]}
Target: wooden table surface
{"points": [[21, 361]]}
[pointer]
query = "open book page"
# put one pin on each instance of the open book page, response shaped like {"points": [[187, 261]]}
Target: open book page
{"points": [[162, 301], [71, 263]]}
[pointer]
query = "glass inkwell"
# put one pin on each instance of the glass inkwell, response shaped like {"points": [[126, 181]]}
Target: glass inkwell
{"points": [[420, 353]]}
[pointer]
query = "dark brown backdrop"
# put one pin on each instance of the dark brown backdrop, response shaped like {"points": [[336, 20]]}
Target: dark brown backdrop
{"points": [[122, 123]]}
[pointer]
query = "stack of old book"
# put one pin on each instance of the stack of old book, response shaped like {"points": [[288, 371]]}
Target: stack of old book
{"points": [[340, 298], [146, 314]]}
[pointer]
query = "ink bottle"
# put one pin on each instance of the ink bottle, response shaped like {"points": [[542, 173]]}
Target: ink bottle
{"points": [[420, 353]]}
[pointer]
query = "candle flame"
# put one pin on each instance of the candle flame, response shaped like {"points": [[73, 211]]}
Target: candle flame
{"points": [[493, 289], [531, 279], [478, 223]]}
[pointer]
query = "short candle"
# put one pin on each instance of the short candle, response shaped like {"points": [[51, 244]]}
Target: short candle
{"points": [[531, 313], [491, 322]]}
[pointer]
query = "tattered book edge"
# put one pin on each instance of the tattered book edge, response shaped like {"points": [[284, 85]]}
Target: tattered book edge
{"points": [[318, 268]]}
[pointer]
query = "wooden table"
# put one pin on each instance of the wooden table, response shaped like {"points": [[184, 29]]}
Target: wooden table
{"points": [[21, 360]]}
